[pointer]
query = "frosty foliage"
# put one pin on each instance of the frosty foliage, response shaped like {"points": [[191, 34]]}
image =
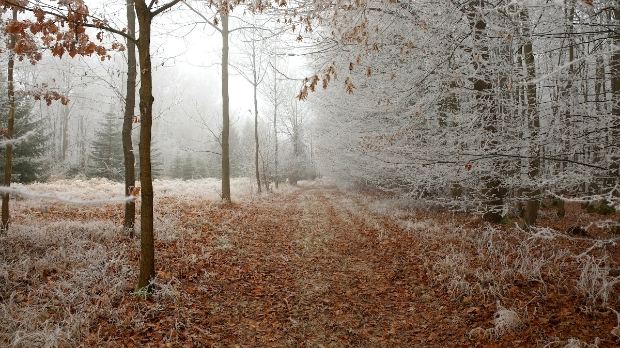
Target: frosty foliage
{"points": [[595, 282], [441, 112], [488, 261], [100, 190], [95, 189], [58, 277], [506, 321], [85, 274], [576, 343], [5, 142]]}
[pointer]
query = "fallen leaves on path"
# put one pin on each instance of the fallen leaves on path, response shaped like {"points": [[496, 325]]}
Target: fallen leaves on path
{"points": [[317, 267]]}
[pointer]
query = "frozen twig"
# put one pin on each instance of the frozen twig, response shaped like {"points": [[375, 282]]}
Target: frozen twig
{"points": [[616, 330], [4, 143]]}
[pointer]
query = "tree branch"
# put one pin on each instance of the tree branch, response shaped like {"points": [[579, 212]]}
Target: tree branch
{"points": [[88, 25], [165, 7], [203, 17]]}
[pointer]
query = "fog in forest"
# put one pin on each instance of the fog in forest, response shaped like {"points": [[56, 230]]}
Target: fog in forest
{"points": [[356, 173], [187, 108]]}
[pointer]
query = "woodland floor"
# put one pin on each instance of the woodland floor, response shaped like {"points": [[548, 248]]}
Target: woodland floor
{"points": [[318, 267]]}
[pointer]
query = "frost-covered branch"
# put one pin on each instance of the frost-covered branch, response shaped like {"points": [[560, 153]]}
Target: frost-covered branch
{"points": [[5, 142]]}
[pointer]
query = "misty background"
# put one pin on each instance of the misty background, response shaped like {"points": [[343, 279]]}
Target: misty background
{"points": [[187, 109]]}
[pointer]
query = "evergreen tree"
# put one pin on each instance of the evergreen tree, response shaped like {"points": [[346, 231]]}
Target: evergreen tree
{"points": [[157, 164], [29, 163], [106, 158], [238, 154], [213, 161], [187, 168], [177, 168], [201, 168]]}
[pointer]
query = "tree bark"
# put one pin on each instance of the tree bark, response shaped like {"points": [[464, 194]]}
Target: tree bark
{"points": [[82, 144], [147, 250], [256, 149], [566, 93], [615, 81], [491, 192], [275, 124], [64, 146], [294, 176], [265, 175], [130, 104], [531, 207], [225, 111], [10, 130], [615, 95], [561, 212]]}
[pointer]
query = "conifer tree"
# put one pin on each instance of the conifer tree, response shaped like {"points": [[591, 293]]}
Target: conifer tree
{"points": [[177, 168], [157, 163], [188, 169], [29, 163], [106, 158], [200, 166]]}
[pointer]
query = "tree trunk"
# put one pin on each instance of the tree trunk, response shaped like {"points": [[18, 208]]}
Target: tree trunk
{"points": [[599, 98], [492, 193], [531, 207], [147, 251], [130, 104], [10, 128], [225, 111], [568, 90], [64, 146], [82, 144], [448, 107], [294, 176], [615, 95], [256, 124], [615, 82], [561, 208], [565, 95], [265, 176], [275, 125]]}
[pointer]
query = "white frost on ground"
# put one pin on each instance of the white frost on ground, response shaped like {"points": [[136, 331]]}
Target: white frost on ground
{"points": [[89, 268]]}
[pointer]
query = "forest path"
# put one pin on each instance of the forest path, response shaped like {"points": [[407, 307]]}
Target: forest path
{"points": [[309, 268]]}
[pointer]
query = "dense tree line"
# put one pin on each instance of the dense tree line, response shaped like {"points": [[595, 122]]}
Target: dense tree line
{"points": [[477, 105]]}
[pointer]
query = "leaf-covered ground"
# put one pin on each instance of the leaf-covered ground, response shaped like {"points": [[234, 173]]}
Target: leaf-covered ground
{"points": [[311, 267]]}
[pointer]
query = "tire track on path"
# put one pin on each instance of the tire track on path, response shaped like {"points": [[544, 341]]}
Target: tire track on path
{"points": [[355, 288]]}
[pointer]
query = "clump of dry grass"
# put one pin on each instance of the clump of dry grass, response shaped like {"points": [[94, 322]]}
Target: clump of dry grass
{"points": [[576, 343], [56, 278], [594, 281], [489, 259], [506, 321]]}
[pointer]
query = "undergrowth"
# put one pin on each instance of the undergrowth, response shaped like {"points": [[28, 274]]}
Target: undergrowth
{"points": [[59, 277], [489, 263]]}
